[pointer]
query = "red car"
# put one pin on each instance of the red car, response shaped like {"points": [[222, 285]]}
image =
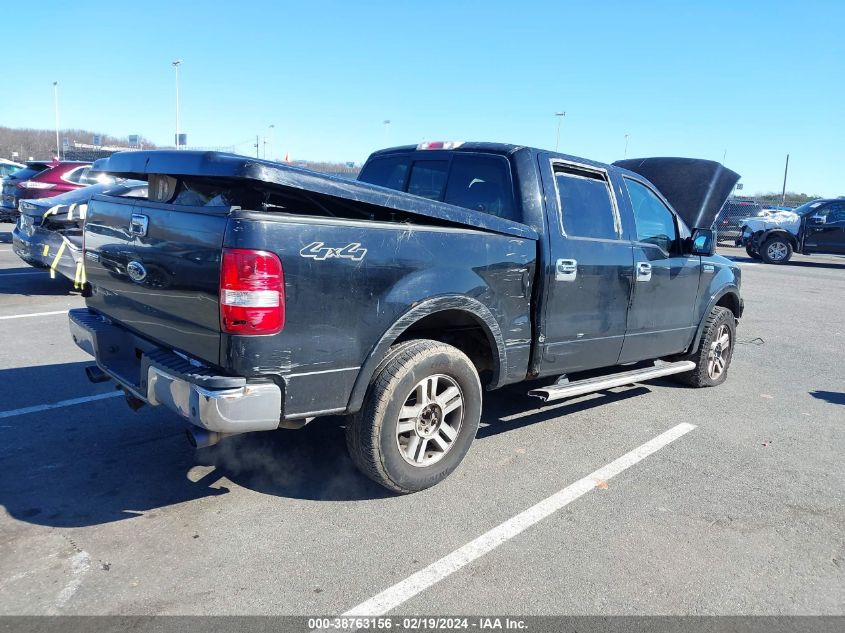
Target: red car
{"points": [[40, 179]]}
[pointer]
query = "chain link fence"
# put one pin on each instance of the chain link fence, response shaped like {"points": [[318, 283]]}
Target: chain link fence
{"points": [[728, 223]]}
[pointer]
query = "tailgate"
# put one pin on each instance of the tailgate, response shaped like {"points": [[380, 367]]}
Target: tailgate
{"points": [[155, 269]]}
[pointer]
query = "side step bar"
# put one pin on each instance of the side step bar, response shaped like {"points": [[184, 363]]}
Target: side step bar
{"points": [[589, 385]]}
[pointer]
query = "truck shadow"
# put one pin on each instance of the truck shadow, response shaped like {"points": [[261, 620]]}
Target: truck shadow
{"points": [[99, 462], [310, 463], [832, 397], [28, 282], [503, 404]]}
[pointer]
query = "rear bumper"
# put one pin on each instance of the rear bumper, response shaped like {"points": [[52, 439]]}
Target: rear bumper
{"points": [[41, 248], [226, 404]]}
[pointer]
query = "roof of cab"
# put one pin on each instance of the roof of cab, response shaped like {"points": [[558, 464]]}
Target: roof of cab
{"points": [[505, 149]]}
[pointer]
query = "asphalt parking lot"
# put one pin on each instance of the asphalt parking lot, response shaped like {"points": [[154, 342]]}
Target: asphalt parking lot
{"points": [[106, 511]]}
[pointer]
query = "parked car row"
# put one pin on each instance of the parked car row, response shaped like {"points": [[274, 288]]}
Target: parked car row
{"points": [[48, 233], [728, 223], [8, 167], [41, 179]]}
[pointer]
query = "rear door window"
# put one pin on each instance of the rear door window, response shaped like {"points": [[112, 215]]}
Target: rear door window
{"points": [[428, 178], [586, 204], [75, 175], [481, 183]]}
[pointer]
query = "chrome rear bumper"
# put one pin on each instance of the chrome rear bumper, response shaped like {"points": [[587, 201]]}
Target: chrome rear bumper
{"points": [[225, 404]]}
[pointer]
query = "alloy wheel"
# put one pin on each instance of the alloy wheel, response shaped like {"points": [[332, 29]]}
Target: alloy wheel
{"points": [[717, 358], [430, 420]]}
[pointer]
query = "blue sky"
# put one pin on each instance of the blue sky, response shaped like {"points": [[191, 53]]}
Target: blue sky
{"points": [[756, 79]]}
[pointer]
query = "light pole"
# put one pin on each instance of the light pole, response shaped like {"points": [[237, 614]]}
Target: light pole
{"points": [[56, 103], [559, 116], [625, 155], [785, 172], [176, 64], [270, 133]]}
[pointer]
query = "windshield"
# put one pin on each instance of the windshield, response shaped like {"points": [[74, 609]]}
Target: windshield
{"points": [[807, 207]]}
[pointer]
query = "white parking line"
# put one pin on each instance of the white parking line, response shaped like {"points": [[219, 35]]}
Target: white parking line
{"points": [[32, 314], [58, 405], [449, 564]]}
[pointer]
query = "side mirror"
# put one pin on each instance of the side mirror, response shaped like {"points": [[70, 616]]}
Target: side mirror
{"points": [[703, 242]]}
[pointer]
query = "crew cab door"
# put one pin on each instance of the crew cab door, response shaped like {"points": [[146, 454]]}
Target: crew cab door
{"points": [[589, 270], [660, 320], [824, 229]]}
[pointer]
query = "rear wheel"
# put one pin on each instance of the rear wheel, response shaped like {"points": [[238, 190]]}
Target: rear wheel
{"points": [[715, 352], [419, 418], [776, 250]]}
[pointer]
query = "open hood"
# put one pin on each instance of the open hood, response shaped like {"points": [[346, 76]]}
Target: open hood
{"points": [[267, 174], [695, 188]]}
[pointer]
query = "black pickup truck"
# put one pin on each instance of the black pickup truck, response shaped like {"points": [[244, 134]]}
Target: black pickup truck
{"points": [[247, 295]]}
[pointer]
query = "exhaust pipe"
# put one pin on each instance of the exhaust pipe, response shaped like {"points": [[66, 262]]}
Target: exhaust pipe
{"points": [[201, 438], [96, 375]]}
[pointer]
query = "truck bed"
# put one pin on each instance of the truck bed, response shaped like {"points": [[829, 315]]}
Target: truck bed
{"points": [[352, 269]]}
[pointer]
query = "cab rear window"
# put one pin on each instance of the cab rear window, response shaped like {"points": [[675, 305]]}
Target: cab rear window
{"points": [[481, 182], [428, 178], [387, 171]]}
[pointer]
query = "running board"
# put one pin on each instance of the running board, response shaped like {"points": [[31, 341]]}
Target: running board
{"points": [[589, 385]]}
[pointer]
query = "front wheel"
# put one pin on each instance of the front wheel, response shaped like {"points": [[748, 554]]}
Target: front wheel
{"points": [[419, 418], [776, 250], [715, 351]]}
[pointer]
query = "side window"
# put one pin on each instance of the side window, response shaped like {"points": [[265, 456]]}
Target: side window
{"points": [[585, 203], [428, 178], [74, 175], [387, 171], [655, 222], [481, 183], [835, 212]]}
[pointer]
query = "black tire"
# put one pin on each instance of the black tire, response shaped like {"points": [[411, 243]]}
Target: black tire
{"points": [[373, 434], [776, 244], [719, 321], [752, 253]]}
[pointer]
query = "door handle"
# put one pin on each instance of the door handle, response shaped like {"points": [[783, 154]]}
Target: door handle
{"points": [[138, 224], [643, 271], [566, 270]]}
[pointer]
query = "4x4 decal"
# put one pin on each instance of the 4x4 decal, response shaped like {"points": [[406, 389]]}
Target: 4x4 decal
{"points": [[319, 251]]}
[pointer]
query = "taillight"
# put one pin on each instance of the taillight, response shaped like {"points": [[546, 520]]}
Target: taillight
{"points": [[32, 184], [252, 292]]}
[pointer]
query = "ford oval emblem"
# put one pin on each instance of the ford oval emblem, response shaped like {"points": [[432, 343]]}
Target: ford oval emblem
{"points": [[136, 271]]}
